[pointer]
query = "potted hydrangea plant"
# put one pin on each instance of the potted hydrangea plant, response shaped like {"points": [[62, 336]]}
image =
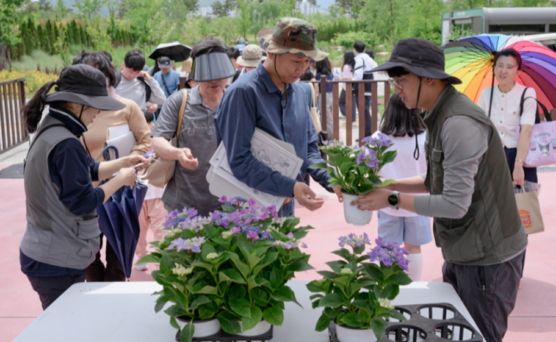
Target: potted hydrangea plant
{"points": [[356, 295], [355, 169], [231, 266]]}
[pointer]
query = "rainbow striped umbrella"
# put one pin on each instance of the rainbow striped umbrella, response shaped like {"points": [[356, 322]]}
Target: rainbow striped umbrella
{"points": [[470, 59]]}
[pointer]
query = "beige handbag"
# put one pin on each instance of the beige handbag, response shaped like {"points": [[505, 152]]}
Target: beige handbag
{"points": [[530, 211], [314, 113], [162, 170]]}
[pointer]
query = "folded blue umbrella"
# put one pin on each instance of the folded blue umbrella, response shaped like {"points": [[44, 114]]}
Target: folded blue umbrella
{"points": [[118, 219]]}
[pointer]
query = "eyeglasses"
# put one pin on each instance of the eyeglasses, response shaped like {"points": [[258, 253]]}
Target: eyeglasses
{"points": [[397, 83]]}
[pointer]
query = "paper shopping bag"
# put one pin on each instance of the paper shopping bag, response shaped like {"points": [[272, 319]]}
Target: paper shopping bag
{"points": [[530, 211]]}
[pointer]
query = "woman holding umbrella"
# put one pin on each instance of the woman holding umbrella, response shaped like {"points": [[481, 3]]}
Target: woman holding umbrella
{"points": [[94, 141], [502, 104], [62, 235]]}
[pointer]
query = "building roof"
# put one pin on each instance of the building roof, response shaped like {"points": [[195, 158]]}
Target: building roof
{"points": [[520, 15]]}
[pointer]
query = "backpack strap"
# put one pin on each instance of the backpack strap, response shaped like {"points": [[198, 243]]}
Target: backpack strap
{"points": [[148, 90]]}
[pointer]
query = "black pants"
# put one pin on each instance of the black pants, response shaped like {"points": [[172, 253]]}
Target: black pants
{"points": [[113, 271], [488, 293], [367, 114], [342, 103], [50, 288]]}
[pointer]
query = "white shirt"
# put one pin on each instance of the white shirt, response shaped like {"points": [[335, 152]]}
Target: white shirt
{"points": [[404, 165], [505, 111], [135, 90], [346, 73], [363, 64]]}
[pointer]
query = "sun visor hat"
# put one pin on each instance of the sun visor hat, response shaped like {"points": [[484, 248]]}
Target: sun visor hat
{"points": [[211, 67], [421, 57], [84, 85]]}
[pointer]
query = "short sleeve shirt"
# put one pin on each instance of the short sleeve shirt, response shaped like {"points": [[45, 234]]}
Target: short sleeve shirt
{"points": [[189, 188], [505, 111], [172, 80]]}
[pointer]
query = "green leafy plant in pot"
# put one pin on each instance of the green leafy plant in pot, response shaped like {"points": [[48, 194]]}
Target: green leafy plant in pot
{"points": [[357, 294], [263, 253], [356, 170], [231, 266]]}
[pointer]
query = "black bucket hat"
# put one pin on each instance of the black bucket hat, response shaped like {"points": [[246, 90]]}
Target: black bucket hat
{"points": [[421, 57], [211, 67], [84, 85]]}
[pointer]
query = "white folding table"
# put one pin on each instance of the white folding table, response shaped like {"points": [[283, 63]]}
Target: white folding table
{"points": [[124, 311]]}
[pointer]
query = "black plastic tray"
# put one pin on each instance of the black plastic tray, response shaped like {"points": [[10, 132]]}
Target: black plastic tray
{"points": [[223, 336], [438, 322]]}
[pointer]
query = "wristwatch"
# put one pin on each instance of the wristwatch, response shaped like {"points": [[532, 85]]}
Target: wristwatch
{"points": [[394, 200]]}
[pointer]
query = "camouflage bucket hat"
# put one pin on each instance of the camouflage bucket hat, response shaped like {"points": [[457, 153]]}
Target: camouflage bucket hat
{"points": [[291, 35]]}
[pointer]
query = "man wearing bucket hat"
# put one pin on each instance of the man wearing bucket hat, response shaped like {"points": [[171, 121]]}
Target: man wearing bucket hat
{"points": [[249, 60], [197, 142], [62, 234], [476, 221], [268, 98]]}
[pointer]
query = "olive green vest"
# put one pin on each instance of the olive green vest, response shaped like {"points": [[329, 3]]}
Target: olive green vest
{"points": [[491, 231]]}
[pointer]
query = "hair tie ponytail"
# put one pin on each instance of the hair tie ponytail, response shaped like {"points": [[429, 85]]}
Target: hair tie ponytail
{"points": [[32, 111]]}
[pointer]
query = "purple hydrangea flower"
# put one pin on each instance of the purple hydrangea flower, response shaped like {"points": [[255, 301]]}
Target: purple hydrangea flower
{"points": [[252, 235], [267, 235], [174, 218], [368, 156], [354, 240], [389, 253], [193, 244], [236, 230], [179, 244], [380, 140], [196, 243]]}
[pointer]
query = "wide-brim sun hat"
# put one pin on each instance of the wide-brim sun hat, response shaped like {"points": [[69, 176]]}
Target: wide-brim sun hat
{"points": [[211, 67], [84, 85], [421, 57], [291, 35], [252, 56]]}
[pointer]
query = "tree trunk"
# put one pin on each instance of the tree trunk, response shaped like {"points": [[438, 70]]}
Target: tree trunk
{"points": [[9, 59], [3, 58]]}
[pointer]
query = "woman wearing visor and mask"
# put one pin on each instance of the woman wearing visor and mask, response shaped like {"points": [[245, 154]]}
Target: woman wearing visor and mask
{"points": [[62, 234], [197, 140]]}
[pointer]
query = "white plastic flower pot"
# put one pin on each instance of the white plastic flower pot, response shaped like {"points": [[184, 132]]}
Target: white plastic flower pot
{"points": [[259, 329], [203, 328], [347, 334], [354, 215]]}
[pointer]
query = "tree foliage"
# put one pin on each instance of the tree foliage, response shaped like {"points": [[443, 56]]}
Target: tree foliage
{"points": [[221, 9], [28, 25]]}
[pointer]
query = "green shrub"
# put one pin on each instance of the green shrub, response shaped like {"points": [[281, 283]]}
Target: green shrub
{"points": [[347, 39], [39, 59]]}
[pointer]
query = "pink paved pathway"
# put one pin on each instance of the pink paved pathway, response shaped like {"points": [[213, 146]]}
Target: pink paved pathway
{"points": [[534, 318]]}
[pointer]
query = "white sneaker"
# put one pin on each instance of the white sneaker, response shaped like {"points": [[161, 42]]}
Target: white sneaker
{"points": [[142, 267]]}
